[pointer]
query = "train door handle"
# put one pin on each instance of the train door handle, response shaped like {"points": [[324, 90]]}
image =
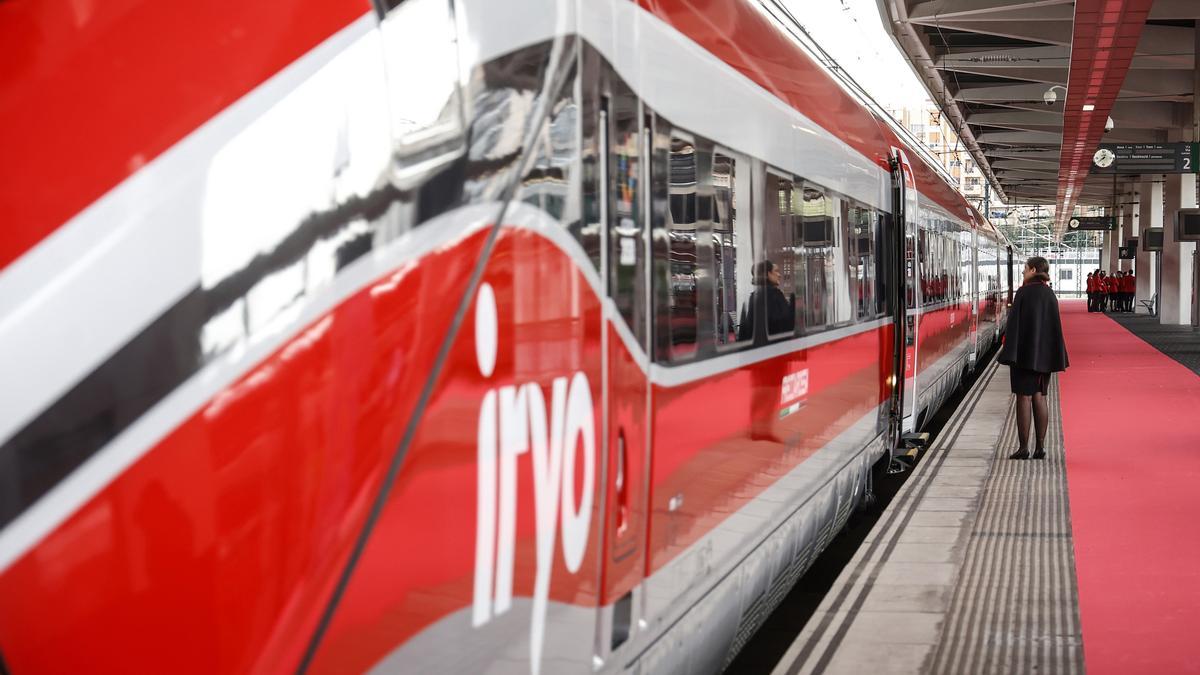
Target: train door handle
{"points": [[621, 484]]}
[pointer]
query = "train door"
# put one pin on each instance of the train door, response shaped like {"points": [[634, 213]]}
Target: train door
{"points": [[624, 140], [905, 197], [898, 269]]}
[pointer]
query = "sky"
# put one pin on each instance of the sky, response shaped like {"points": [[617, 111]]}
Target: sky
{"points": [[852, 32]]}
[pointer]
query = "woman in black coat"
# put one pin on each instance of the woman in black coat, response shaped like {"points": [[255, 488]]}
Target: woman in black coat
{"points": [[1033, 349], [780, 316]]}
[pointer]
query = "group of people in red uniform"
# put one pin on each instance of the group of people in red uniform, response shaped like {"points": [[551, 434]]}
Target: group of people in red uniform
{"points": [[1111, 292]]}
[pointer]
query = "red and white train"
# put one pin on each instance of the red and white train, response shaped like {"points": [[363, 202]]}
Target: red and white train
{"points": [[438, 335]]}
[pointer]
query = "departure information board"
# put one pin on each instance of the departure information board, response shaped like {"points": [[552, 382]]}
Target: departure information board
{"points": [[1145, 158], [1090, 223]]}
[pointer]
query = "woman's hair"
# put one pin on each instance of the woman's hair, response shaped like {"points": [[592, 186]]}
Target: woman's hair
{"points": [[1040, 267], [761, 271]]}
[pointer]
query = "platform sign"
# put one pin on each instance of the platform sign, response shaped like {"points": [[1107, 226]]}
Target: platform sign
{"points": [[1091, 223], [1152, 239], [1131, 243], [1126, 253], [1145, 158], [1187, 225]]}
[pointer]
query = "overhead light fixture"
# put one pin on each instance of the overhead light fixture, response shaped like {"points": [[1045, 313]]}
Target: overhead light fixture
{"points": [[1088, 107]]}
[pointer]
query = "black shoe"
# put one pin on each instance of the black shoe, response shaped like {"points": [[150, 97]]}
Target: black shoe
{"points": [[1040, 453], [1020, 454]]}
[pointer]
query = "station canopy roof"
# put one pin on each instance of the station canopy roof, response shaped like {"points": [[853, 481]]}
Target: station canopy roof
{"points": [[990, 63]]}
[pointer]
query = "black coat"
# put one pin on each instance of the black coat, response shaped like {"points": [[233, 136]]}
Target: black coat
{"points": [[780, 316], [1033, 338]]}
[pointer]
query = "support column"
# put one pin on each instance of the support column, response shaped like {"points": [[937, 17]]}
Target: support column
{"points": [[1150, 212], [1177, 256], [1126, 231], [1108, 255]]}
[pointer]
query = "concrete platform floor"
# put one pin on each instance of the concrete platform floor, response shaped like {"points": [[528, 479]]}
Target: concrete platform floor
{"points": [[970, 569]]}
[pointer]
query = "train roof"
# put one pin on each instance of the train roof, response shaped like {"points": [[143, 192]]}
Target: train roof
{"points": [[771, 48]]}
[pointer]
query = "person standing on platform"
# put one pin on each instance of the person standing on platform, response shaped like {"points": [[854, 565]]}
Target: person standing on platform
{"points": [[1119, 291], [1091, 292], [1101, 290], [1033, 349], [1130, 290]]}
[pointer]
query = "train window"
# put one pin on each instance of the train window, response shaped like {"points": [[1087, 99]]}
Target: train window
{"points": [[732, 255], [816, 230], [795, 225], [945, 264], [548, 182], [683, 300], [861, 257], [884, 261], [968, 284], [941, 279], [625, 217], [775, 271], [954, 265], [933, 278], [838, 275], [924, 262], [910, 269]]}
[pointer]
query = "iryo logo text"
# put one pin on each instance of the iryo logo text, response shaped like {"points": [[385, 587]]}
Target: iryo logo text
{"points": [[512, 421]]}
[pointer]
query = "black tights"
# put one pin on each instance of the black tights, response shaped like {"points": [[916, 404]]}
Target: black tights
{"points": [[1032, 406]]}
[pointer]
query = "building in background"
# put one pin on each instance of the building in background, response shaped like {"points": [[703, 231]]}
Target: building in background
{"points": [[929, 126]]}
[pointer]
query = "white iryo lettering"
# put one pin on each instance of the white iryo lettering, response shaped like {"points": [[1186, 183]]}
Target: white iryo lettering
{"points": [[514, 441], [485, 510], [512, 421]]}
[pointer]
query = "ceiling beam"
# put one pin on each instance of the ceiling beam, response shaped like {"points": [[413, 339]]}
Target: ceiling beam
{"points": [[1020, 137], [982, 9], [1049, 32]]}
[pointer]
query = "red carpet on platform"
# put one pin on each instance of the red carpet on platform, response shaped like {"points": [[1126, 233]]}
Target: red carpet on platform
{"points": [[1131, 426]]}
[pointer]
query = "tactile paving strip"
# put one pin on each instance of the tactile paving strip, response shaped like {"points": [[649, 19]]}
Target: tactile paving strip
{"points": [[1015, 607]]}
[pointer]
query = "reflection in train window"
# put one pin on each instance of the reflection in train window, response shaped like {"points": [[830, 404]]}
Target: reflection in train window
{"points": [[774, 274], [861, 257], [965, 289], [838, 276], [683, 306], [731, 254], [547, 183], [625, 217], [816, 228], [923, 263]]}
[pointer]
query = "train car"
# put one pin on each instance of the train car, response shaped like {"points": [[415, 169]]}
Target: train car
{"points": [[449, 335]]}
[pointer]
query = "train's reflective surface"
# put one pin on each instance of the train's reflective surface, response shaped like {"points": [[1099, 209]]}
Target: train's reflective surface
{"points": [[450, 336]]}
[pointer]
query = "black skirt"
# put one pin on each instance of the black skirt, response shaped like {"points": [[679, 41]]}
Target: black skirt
{"points": [[1028, 382]]}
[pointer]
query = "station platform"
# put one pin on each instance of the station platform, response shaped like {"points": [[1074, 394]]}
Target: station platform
{"points": [[1087, 560]]}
